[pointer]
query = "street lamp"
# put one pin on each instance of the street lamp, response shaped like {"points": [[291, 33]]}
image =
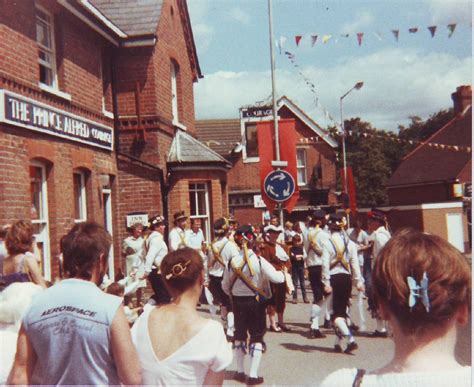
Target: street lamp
{"points": [[357, 86]]}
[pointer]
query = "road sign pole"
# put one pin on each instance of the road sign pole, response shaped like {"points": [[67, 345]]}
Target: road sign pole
{"points": [[275, 116]]}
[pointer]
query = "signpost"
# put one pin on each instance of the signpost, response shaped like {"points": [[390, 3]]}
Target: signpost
{"points": [[279, 185]]}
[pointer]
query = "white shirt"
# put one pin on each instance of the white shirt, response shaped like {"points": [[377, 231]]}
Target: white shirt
{"points": [[155, 250], [263, 272], [194, 239], [189, 364], [361, 240], [345, 377], [228, 250], [380, 237], [134, 260], [281, 253], [329, 254], [177, 239], [316, 236]]}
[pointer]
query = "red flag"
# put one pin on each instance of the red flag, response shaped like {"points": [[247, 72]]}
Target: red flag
{"points": [[297, 39], [359, 38], [350, 188], [432, 30], [266, 144]]}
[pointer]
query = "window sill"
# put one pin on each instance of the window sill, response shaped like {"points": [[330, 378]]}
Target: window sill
{"points": [[108, 114], [180, 125], [250, 160], [53, 91]]}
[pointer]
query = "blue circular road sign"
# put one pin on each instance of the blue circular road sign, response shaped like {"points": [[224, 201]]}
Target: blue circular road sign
{"points": [[279, 185]]}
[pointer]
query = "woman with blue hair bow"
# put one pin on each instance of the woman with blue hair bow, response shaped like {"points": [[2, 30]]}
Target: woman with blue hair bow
{"points": [[422, 288]]}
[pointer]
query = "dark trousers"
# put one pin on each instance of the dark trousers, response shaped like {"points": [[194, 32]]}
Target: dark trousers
{"points": [[278, 300], [341, 292], [161, 295], [220, 297], [250, 318], [297, 275], [317, 286]]}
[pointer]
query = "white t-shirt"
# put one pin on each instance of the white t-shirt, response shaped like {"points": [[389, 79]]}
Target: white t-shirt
{"points": [[189, 364], [345, 377], [361, 240], [380, 237]]}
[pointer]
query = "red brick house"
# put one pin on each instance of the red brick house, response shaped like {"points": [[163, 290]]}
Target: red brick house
{"points": [[431, 188], [93, 95], [236, 140]]}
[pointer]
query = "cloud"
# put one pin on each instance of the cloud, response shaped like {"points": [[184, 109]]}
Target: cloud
{"points": [[362, 20], [239, 15], [398, 83], [450, 11], [203, 31]]}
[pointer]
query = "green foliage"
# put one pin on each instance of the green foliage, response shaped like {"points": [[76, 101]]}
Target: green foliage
{"points": [[375, 156]]}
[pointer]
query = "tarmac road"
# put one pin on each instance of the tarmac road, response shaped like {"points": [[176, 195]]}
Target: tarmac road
{"points": [[293, 358]]}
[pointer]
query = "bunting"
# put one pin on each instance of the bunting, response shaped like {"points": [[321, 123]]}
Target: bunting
{"points": [[396, 33], [432, 30], [325, 38]]}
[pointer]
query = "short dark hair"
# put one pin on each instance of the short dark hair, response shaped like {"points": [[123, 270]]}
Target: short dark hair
{"points": [[82, 247], [181, 269], [115, 289]]}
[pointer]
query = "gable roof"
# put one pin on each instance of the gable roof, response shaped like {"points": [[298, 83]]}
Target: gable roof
{"points": [[186, 149], [222, 135], [430, 164], [133, 17]]}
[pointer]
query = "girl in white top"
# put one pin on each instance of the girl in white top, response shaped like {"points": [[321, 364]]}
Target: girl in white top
{"points": [[422, 287], [177, 346]]}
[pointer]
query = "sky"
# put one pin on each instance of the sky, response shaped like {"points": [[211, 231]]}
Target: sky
{"points": [[413, 76]]}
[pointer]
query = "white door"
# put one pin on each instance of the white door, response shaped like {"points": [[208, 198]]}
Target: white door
{"points": [[455, 231], [107, 203], [39, 215]]}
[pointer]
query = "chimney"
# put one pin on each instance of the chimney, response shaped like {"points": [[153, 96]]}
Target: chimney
{"points": [[462, 98]]}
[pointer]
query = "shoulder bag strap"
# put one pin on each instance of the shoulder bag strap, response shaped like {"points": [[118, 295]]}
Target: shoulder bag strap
{"points": [[358, 378]]}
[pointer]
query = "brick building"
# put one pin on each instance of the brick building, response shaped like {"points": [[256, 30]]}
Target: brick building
{"points": [[236, 140], [431, 189], [93, 95]]}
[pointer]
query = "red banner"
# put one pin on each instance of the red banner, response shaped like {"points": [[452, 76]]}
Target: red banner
{"points": [[351, 190], [266, 150]]}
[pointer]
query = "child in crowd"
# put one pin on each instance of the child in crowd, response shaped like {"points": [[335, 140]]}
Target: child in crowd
{"points": [[422, 288], [297, 257], [118, 289]]}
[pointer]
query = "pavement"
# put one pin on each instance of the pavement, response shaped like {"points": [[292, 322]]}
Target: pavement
{"points": [[292, 358]]}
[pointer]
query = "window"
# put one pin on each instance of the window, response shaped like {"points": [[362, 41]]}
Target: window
{"points": [[199, 200], [174, 91], [80, 202], [301, 166], [106, 83], [46, 50], [39, 214], [251, 141]]}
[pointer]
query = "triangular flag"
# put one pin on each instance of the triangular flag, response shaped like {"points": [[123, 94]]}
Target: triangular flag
{"points": [[314, 38], [344, 35], [326, 38], [281, 42], [432, 30], [456, 148], [413, 30], [396, 33], [360, 35], [378, 35], [298, 39], [451, 28]]}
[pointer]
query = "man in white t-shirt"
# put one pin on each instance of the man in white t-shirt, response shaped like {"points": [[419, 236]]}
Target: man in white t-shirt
{"points": [[177, 238]]}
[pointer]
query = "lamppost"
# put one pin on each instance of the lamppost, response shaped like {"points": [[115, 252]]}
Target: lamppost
{"points": [[357, 86]]}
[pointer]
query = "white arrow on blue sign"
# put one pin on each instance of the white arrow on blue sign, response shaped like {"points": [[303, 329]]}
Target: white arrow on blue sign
{"points": [[279, 185]]}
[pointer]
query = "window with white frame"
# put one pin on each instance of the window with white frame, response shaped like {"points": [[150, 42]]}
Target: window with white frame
{"points": [[46, 48], [174, 91], [199, 200], [251, 140], [39, 215], [80, 200], [301, 166]]}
